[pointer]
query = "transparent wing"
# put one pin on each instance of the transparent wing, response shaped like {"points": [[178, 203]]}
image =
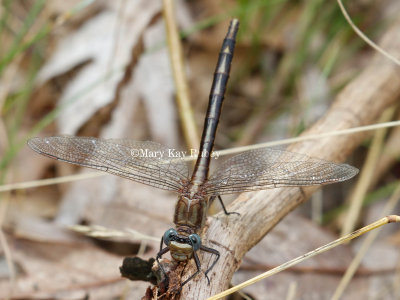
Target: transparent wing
{"points": [[145, 162], [268, 168]]}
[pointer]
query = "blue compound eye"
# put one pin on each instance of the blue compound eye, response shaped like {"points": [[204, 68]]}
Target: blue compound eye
{"points": [[168, 235], [195, 240]]}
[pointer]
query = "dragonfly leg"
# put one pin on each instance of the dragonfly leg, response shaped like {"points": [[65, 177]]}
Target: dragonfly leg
{"points": [[160, 254], [212, 251], [223, 206], [161, 243], [197, 261]]}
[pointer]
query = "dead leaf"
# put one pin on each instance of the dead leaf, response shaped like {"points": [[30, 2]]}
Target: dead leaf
{"points": [[106, 41], [292, 237]]}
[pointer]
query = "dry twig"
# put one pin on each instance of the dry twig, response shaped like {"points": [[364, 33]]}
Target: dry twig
{"points": [[360, 103]]}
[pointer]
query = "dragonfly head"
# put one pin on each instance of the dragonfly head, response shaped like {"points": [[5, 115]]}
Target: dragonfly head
{"points": [[181, 246]]}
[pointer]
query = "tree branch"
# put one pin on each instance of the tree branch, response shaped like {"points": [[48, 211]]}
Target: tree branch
{"points": [[360, 103]]}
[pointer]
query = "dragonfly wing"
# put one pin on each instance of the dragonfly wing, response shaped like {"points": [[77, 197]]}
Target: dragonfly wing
{"points": [[144, 162], [268, 168]]}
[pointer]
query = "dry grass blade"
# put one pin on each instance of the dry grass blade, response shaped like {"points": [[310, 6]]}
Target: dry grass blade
{"points": [[366, 175], [390, 205], [342, 240], [364, 37], [182, 90], [77, 177], [4, 244], [50, 181], [310, 137], [103, 232]]}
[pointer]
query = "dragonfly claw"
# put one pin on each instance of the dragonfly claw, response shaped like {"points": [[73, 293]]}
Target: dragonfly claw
{"points": [[208, 279], [232, 213]]}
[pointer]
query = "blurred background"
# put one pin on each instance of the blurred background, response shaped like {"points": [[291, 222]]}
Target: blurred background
{"points": [[101, 68]]}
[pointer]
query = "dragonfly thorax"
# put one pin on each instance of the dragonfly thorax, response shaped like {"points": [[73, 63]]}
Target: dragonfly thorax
{"points": [[191, 211]]}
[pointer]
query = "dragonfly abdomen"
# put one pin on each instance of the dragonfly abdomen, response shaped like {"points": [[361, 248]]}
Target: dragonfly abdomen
{"points": [[221, 76]]}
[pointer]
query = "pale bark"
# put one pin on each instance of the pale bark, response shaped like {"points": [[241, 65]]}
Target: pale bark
{"points": [[360, 103]]}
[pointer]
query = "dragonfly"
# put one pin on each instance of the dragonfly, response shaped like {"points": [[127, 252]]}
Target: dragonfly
{"points": [[150, 163]]}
